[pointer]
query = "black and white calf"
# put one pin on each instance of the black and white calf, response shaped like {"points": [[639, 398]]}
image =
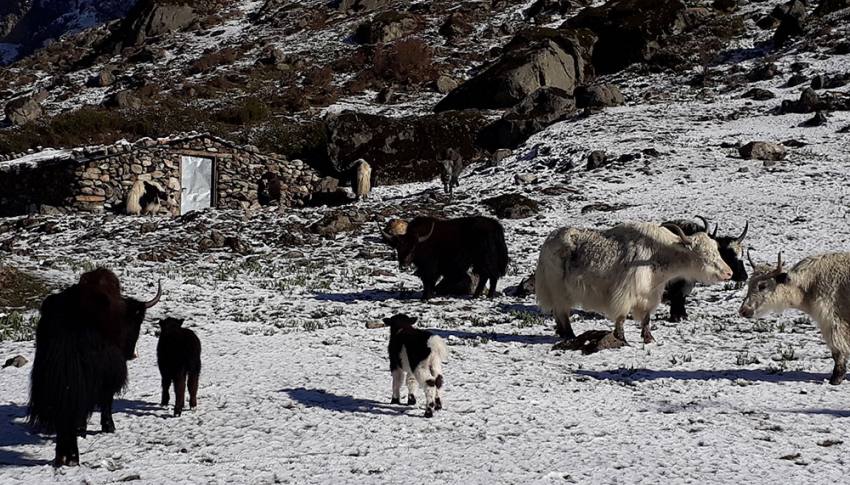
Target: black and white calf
{"points": [[419, 354]]}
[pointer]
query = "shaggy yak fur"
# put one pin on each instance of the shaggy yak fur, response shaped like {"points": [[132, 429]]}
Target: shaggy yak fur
{"points": [[83, 341]]}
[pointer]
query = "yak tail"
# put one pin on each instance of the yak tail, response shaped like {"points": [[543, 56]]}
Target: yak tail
{"points": [[439, 354], [134, 197]]}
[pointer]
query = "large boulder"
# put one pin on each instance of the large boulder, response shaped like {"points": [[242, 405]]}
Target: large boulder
{"points": [[547, 62], [512, 206], [23, 110], [630, 31], [538, 110], [401, 149], [153, 18]]}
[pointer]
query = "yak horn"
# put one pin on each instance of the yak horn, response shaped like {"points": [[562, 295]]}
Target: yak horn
{"points": [[371, 325], [157, 297], [425, 238], [714, 233], [744, 232], [675, 229], [750, 258], [704, 223]]}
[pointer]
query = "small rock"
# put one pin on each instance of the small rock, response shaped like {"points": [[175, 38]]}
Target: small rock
{"points": [[819, 119], [16, 361], [759, 94], [598, 96], [512, 206], [445, 84], [762, 150], [796, 79], [526, 178], [596, 159]]}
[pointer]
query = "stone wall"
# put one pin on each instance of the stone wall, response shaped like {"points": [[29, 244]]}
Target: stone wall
{"points": [[98, 179]]}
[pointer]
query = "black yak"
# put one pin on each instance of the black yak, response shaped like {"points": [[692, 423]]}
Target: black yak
{"points": [[419, 354], [178, 356], [439, 247], [452, 165], [731, 250], [85, 337]]}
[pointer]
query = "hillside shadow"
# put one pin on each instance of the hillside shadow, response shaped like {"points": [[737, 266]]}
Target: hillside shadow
{"points": [[15, 432], [639, 375], [497, 337], [319, 398]]}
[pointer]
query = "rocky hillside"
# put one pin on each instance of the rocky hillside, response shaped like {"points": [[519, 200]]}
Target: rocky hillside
{"points": [[393, 81]]}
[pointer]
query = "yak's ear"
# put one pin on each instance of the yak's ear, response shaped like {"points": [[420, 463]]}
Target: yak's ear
{"points": [[781, 278]]}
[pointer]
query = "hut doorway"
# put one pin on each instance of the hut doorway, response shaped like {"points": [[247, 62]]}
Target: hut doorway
{"points": [[196, 183]]}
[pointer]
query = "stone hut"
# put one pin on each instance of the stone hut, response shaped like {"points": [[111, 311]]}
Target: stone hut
{"points": [[195, 170]]}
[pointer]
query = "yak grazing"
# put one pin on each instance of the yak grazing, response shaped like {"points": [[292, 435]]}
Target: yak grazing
{"points": [[440, 247], [178, 356], [85, 337]]}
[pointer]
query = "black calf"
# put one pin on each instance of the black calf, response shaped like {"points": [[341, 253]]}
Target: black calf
{"points": [[178, 355]]}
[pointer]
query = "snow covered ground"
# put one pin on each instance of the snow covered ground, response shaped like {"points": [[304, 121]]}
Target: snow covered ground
{"points": [[294, 389]]}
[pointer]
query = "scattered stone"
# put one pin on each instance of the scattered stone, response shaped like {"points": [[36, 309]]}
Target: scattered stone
{"points": [[762, 150], [332, 224], [822, 81], [591, 342], [387, 27], [526, 178], [763, 72], [794, 143], [819, 119], [811, 102], [598, 96], [828, 443], [759, 94], [796, 79], [236, 245], [603, 207], [512, 206], [147, 227], [17, 361], [124, 99], [444, 84], [596, 159], [456, 26], [500, 154], [102, 79]]}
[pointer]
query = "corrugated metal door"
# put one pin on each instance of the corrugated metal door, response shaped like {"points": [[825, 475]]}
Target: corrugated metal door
{"points": [[196, 183]]}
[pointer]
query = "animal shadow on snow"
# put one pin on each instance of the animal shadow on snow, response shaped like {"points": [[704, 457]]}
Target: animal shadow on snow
{"points": [[319, 398], [139, 408], [367, 295], [838, 413], [15, 432], [632, 375], [497, 337]]}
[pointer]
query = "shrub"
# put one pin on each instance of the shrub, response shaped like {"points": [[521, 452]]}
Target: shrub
{"points": [[249, 111], [408, 61]]}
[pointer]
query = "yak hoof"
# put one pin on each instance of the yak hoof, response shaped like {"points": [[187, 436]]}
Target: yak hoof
{"points": [[107, 428], [677, 317], [438, 404], [395, 400], [61, 461], [411, 399], [429, 413], [836, 379]]}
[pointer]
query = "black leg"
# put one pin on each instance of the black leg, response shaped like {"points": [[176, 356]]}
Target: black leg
{"points": [[564, 328], [479, 290], [166, 383], [493, 283], [179, 393], [193, 390], [676, 292], [411, 399], [67, 453], [106, 423]]}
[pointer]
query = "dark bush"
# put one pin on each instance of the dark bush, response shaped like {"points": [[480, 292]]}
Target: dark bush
{"points": [[408, 61], [243, 112]]}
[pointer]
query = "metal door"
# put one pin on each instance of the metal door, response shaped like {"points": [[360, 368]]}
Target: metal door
{"points": [[196, 183]]}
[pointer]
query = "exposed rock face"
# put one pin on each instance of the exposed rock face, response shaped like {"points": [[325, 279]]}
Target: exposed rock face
{"points": [[630, 31], [537, 111], [401, 149], [522, 71], [762, 150], [23, 110]]}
